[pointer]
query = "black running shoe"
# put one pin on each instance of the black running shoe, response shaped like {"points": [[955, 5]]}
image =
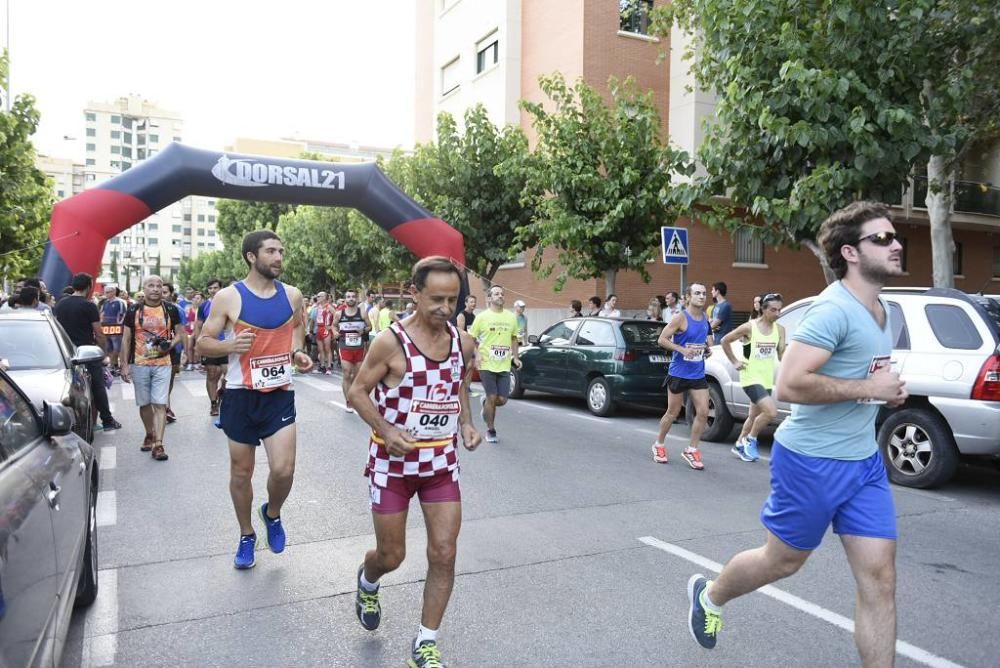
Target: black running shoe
{"points": [[702, 622], [112, 424], [367, 605]]}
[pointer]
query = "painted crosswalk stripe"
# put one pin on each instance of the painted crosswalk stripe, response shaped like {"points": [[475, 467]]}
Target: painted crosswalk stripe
{"points": [[107, 508], [902, 648], [321, 385], [100, 629], [195, 387], [109, 458]]}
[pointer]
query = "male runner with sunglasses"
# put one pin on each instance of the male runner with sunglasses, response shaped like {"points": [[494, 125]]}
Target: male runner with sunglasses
{"points": [[825, 463], [767, 345]]}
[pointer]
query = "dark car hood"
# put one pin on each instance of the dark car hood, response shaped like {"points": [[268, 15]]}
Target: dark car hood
{"points": [[51, 385]]}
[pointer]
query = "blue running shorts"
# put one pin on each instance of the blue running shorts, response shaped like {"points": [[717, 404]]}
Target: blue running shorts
{"points": [[810, 493], [249, 416]]}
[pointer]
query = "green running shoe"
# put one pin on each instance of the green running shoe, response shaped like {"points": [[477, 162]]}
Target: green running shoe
{"points": [[425, 655], [367, 605], [702, 622]]}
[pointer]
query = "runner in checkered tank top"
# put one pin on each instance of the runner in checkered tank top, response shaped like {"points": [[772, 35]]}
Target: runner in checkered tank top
{"points": [[418, 372]]}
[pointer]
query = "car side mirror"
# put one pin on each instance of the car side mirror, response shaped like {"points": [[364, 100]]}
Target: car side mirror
{"points": [[533, 339], [57, 419], [88, 354]]}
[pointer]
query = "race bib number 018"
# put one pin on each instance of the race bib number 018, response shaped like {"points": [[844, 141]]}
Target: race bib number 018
{"points": [[271, 371], [500, 353]]}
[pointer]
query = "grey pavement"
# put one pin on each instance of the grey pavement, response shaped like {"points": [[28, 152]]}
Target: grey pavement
{"points": [[551, 569]]}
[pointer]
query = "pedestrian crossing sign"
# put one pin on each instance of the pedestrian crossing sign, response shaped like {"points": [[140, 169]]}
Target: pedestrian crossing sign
{"points": [[675, 245]]}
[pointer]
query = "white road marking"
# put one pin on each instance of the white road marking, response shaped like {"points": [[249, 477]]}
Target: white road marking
{"points": [[903, 648], [323, 386], [195, 387], [338, 404], [107, 508], [128, 391], [109, 457], [538, 406], [100, 629], [593, 419]]}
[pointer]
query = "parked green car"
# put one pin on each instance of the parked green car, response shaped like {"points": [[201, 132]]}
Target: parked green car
{"points": [[607, 361]]}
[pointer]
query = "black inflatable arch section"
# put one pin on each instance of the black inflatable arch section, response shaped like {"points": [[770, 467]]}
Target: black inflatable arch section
{"points": [[82, 225]]}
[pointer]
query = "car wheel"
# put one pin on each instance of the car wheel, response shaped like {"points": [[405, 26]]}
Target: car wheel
{"points": [[599, 399], [86, 588], [918, 448], [516, 389], [720, 421]]}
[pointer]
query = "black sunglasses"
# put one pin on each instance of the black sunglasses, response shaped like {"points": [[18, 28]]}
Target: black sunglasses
{"points": [[879, 239]]}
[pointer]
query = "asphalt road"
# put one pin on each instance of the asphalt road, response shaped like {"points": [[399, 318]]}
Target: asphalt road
{"points": [[575, 551]]}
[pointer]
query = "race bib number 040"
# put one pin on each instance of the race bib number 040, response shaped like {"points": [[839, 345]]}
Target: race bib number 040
{"points": [[271, 371], [431, 420]]}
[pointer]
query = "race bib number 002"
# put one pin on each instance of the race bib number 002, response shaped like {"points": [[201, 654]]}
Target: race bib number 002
{"points": [[765, 351], [271, 371]]}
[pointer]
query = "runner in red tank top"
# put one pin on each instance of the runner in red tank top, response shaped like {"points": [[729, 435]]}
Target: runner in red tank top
{"points": [[262, 319], [418, 370]]}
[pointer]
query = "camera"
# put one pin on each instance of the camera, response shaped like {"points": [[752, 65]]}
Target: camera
{"points": [[160, 343]]}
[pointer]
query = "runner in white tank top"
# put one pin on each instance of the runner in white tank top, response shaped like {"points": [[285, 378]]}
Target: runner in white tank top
{"points": [[418, 371]]}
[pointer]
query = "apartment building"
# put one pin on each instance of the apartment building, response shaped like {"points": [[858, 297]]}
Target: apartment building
{"points": [[67, 175], [493, 51]]}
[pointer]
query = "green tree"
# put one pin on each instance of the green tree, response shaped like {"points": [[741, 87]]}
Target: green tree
{"points": [[823, 102], [607, 178], [224, 265], [25, 192], [476, 180], [237, 218]]}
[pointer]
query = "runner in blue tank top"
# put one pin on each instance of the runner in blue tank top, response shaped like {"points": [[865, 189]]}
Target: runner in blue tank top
{"points": [[688, 336], [825, 463]]}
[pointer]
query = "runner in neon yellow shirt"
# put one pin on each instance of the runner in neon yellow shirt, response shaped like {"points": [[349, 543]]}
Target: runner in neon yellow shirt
{"points": [[495, 331]]}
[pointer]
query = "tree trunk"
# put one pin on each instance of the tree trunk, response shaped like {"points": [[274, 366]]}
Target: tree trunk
{"points": [[610, 276], [821, 256], [939, 197]]}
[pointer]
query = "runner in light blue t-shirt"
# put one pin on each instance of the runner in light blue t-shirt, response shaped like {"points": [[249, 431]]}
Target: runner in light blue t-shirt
{"points": [[826, 468]]}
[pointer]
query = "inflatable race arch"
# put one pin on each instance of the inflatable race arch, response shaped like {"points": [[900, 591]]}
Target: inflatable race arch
{"points": [[83, 224]]}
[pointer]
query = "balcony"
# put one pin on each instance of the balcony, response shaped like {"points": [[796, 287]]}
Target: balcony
{"points": [[970, 197]]}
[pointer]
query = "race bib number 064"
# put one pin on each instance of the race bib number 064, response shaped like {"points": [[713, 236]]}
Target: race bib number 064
{"points": [[271, 371]]}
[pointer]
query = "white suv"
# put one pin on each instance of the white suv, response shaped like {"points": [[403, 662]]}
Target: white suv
{"points": [[947, 349]]}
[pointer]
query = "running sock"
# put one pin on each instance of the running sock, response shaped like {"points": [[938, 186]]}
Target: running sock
{"points": [[658, 444], [425, 634], [369, 587], [707, 602]]}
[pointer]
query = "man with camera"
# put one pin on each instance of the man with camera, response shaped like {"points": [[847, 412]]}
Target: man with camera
{"points": [[152, 329]]}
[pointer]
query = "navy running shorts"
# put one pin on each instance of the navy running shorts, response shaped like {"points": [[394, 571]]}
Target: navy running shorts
{"points": [[808, 494], [249, 416], [756, 392]]}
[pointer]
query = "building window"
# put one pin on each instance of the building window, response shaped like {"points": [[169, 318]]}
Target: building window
{"points": [[201, 232], [634, 16], [91, 132], [996, 262], [126, 165], [60, 193], [127, 137], [127, 151], [177, 139], [449, 76], [91, 178], [154, 138], [116, 120], [117, 150], [211, 233], [140, 153], [114, 241], [90, 116], [153, 241], [956, 260], [211, 219], [201, 218], [187, 230], [140, 140], [487, 53], [211, 202], [176, 229], [115, 164], [201, 244], [749, 249], [116, 134], [187, 217], [91, 162], [152, 227], [91, 147], [127, 123]]}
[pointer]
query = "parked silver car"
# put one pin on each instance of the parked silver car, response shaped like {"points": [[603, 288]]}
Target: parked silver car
{"points": [[48, 527], [947, 349]]}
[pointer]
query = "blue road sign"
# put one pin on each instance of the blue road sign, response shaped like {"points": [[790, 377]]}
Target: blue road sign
{"points": [[675, 245]]}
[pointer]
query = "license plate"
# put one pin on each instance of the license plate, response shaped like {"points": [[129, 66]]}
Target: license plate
{"points": [[662, 359]]}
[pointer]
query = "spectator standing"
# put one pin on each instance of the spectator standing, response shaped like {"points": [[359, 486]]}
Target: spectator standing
{"points": [[575, 309], [468, 316], [522, 322], [112, 316], [610, 309], [79, 317], [595, 305], [722, 314], [654, 311]]}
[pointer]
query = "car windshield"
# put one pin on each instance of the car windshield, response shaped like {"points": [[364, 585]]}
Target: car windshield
{"points": [[29, 345], [991, 305], [642, 333]]}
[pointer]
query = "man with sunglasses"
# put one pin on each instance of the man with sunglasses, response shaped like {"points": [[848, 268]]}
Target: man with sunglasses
{"points": [[825, 463], [757, 371]]}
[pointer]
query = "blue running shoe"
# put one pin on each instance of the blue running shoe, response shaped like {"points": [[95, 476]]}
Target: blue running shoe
{"points": [[751, 449], [275, 532], [740, 450], [367, 605], [244, 553], [702, 622]]}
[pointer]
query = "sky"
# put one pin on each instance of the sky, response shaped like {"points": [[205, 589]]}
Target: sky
{"points": [[334, 70]]}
